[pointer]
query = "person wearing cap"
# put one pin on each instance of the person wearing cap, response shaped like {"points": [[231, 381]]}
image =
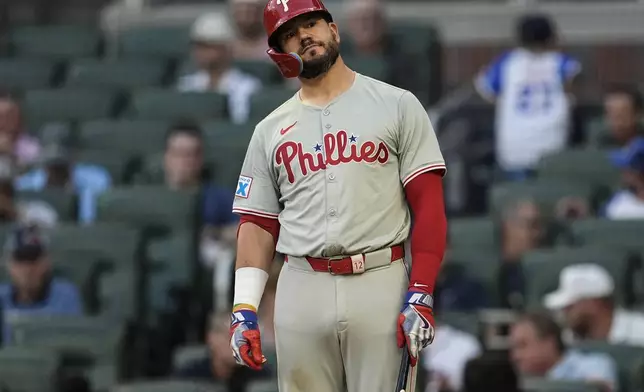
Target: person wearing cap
{"points": [[537, 350], [628, 203], [585, 295], [33, 289], [212, 37], [250, 40], [59, 171], [532, 88]]}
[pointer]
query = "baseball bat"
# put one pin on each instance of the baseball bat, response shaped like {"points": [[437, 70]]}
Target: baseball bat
{"points": [[403, 373]]}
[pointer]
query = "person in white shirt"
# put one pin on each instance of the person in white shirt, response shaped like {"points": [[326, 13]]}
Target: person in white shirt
{"points": [[629, 202], [585, 295], [537, 350], [212, 36], [446, 358], [530, 86]]}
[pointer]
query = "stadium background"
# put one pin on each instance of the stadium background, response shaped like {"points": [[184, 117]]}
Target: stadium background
{"points": [[99, 77]]}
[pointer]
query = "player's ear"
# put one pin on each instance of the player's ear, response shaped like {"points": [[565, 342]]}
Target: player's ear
{"points": [[334, 30]]}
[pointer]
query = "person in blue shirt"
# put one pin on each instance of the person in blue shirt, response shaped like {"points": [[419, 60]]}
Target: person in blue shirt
{"points": [[33, 289], [58, 170]]}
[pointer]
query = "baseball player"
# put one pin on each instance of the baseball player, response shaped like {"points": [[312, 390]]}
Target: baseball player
{"points": [[329, 180]]}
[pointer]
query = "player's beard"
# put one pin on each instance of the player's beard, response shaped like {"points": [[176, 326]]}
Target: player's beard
{"points": [[320, 65]]}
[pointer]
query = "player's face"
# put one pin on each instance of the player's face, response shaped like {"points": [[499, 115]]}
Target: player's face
{"points": [[314, 40], [210, 56]]}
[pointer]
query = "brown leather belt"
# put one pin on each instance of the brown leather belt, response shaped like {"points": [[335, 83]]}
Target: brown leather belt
{"points": [[349, 265]]}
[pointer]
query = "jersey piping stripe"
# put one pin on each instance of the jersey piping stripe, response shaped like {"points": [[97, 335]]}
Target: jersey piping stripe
{"points": [[261, 214], [435, 166]]}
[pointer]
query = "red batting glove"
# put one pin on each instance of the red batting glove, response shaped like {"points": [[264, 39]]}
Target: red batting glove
{"points": [[416, 323], [244, 337]]}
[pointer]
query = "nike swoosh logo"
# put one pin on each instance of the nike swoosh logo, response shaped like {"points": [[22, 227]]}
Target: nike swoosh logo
{"points": [[284, 130], [420, 285]]}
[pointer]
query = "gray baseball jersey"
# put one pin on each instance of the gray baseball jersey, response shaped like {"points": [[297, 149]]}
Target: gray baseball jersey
{"points": [[334, 176]]}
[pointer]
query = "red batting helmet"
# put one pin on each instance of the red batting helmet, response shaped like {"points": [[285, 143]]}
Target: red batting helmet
{"points": [[278, 12]]}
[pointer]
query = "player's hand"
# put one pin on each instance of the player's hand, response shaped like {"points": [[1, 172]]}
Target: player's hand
{"points": [[244, 337], [416, 323]]}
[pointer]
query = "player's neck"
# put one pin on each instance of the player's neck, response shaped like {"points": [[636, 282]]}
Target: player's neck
{"points": [[322, 90]]}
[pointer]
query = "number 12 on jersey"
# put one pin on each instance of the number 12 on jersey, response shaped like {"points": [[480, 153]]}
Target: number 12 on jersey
{"points": [[535, 98]]}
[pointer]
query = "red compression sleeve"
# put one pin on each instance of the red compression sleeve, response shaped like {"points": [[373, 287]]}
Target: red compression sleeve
{"points": [[272, 226], [429, 231]]}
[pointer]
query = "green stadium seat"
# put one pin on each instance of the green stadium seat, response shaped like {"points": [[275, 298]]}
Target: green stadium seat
{"points": [[64, 202], [150, 207], [22, 74], [155, 41], [226, 164], [629, 360], [414, 38], [478, 233], [118, 294], [126, 136], [175, 255], [545, 385], [55, 41], [120, 74], [173, 105], [544, 266], [267, 100], [68, 105], [373, 66], [184, 355], [100, 238], [119, 164], [263, 70], [479, 264], [224, 132], [625, 234], [545, 193], [169, 386], [96, 339], [82, 268], [263, 386], [28, 369], [590, 166], [102, 377]]}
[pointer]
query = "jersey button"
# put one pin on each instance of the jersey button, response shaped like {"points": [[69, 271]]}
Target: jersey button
{"points": [[327, 126], [331, 176], [332, 212], [326, 112]]}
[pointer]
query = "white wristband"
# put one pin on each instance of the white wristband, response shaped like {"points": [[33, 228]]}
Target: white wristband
{"points": [[249, 286]]}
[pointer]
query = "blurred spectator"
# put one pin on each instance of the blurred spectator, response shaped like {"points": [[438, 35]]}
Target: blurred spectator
{"points": [[457, 291], [585, 295], [32, 212], [537, 350], [368, 36], [530, 85], [14, 142], [59, 171], [212, 52], [623, 106], [522, 231], [219, 366], [250, 42], [183, 167], [628, 203], [445, 359], [490, 372], [571, 208], [33, 289]]}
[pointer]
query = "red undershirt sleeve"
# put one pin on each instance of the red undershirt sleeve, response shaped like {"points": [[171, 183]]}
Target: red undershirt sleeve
{"points": [[429, 231], [271, 225]]}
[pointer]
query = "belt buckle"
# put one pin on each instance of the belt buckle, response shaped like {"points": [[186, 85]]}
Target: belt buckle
{"points": [[328, 265]]}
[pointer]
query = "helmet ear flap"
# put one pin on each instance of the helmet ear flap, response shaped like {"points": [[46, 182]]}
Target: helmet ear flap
{"points": [[289, 64]]}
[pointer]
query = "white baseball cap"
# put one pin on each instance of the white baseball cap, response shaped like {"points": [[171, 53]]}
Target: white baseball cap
{"points": [[213, 27], [580, 281]]}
